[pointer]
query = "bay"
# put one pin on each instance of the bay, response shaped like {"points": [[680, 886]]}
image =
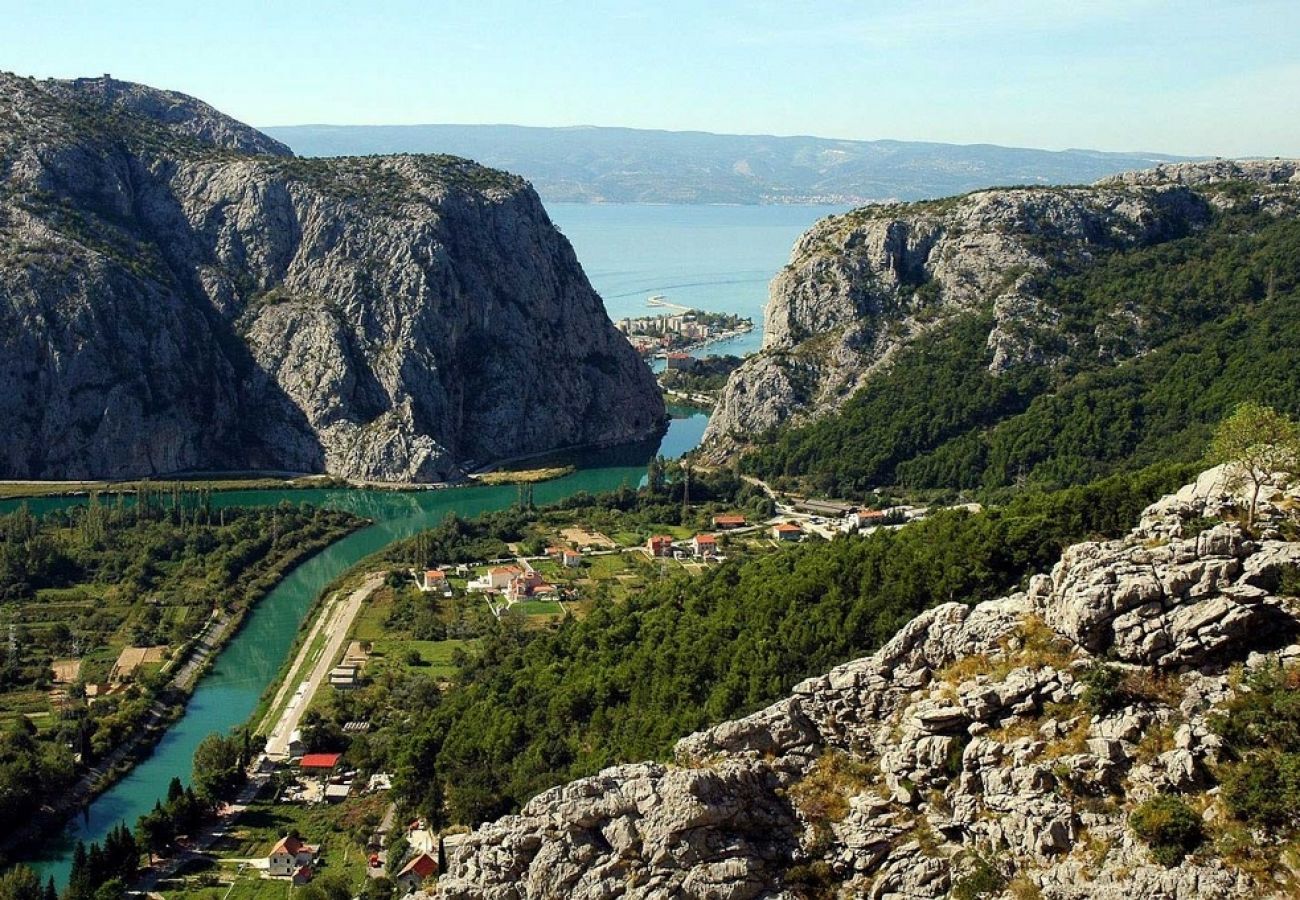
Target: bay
{"points": [[715, 258]]}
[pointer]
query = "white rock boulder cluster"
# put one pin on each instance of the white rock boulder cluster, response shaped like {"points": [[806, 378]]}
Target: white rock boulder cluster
{"points": [[965, 742]]}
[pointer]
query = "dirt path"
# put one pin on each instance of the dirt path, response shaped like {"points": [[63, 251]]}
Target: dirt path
{"points": [[336, 622]]}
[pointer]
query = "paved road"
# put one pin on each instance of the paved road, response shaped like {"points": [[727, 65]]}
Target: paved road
{"points": [[336, 623]]}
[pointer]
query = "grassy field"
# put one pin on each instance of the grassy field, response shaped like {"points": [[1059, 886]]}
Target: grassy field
{"points": [[341, 829], [435, 656]]}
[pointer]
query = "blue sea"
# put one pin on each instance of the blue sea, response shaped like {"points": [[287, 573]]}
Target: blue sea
{"points": [[717, 258]]}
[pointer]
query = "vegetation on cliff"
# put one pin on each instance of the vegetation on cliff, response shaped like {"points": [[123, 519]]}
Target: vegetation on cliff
{"points": [[1218, 309]]}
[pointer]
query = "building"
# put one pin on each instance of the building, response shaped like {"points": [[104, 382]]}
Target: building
{"points": [[864, 518], [528, 584], [414, 873], [289, 856], [786, 531], [435, 582], [660, 545], [680, 362], [319, 763], [343, 677], [295, 747], [704, 546], [497, 579], [824, 508], [570, 559], [724, 523]]}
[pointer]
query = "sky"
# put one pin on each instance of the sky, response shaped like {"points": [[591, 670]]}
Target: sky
{"points": [[1192, 76]]}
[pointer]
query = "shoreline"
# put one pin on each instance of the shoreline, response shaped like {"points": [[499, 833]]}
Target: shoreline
{"points": [[167, 708]]}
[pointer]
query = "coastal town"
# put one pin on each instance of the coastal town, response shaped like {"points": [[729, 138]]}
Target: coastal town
{"points": [[664, 335]]}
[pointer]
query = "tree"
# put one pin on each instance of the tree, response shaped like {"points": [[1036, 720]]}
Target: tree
{"points": [[1255, 443], [217, 766], [20, 883]]}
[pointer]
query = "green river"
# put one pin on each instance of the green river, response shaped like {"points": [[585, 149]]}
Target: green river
{"points": [[228, 694]]}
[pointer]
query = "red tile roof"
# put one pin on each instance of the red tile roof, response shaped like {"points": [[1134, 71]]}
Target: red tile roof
{"points": [[423, 865], [787, 527], [705, 539], [320, 760], [434, 575]]}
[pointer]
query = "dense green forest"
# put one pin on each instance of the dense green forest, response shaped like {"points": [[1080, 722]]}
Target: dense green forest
{"points": [[1219, 312], [83, 583], [533, 709]]}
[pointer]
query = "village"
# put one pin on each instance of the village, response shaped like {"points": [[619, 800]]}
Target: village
{"points": [[668, 335], [311, 808]]}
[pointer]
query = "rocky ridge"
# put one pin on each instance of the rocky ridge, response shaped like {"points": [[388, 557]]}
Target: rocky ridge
{"points": [[964, 746], [862, 287], [181, 293]]}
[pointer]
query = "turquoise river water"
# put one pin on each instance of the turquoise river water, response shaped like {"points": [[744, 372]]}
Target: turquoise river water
{"points": [[228, 694]]}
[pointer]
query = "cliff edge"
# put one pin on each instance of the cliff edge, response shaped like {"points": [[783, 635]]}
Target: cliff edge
{"points": [[181, 293]]}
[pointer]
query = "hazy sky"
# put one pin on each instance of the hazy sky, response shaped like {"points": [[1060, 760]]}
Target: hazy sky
{"points": [[1194, 76]]}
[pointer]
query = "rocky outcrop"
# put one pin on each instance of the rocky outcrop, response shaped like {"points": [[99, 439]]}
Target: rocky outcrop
{"points": [[860, 288], [181, 293], [964, 742]]}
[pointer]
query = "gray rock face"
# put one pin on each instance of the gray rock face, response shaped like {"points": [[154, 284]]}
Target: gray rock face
{"points": [[860, 288], [964, 734], [182, 294]]}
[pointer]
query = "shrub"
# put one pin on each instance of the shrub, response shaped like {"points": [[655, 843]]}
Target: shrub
{"points": [[983, 880], [1170, 828], [1103, 688]]}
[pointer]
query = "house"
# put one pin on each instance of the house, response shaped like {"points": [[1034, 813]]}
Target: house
{"points": [[704, 545], [413, 874], [528, 584], [570, 559], [680, 362], [786, 531], [295, 747], [289, 856], [660, 545], [435, 582], [723, 523], [497, 579], [864, 518], [319, 762], [337, 793]]}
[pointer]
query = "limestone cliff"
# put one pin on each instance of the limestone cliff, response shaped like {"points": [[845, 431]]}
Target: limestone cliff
{"points": [[181, 293], [967, 753], [861, 287]]}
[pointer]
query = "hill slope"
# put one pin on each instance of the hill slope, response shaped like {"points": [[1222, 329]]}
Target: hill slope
{"points": [[182, 293], [1090, 737], [1049, 334], [624, 165]]}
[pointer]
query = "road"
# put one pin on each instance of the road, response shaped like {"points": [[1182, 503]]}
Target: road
{"points": [[336, 622]]}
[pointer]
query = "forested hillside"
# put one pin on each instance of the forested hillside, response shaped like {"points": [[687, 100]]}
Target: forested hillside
{"points": [[536, 708], [1219, 324]]}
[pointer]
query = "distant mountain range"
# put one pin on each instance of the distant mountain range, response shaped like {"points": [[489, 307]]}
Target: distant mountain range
{"points": [[588, 164]]}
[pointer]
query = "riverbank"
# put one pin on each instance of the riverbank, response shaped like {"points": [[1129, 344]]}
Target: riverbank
{"points": [[167, 702]]}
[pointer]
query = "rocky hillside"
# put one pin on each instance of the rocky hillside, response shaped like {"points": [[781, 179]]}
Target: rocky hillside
{"points": [[863, 289], [181, 293], [1093, 736]]}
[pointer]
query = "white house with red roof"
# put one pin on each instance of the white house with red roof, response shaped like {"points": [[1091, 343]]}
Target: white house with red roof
{"points": [[435, 582], [289, 856], [704, 546], [496, 579], [786, 531]]}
